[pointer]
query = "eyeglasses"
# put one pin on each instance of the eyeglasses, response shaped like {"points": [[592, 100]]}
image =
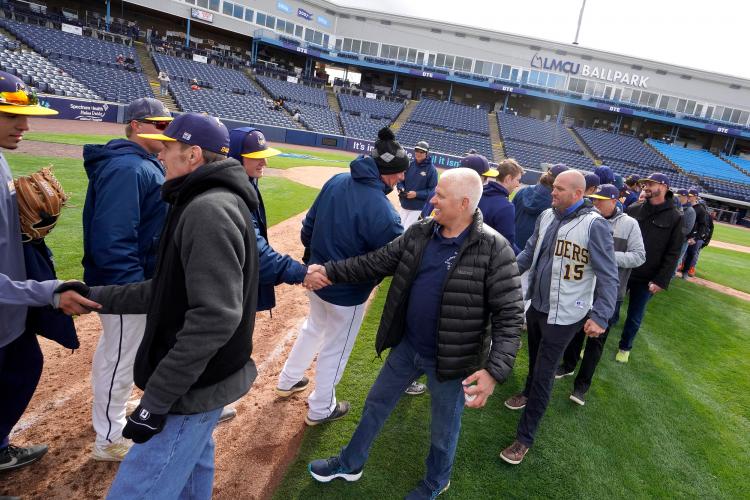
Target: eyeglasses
{"points": [[19, 98], [158, 125]]}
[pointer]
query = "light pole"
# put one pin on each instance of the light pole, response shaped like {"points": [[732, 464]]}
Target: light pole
{"points": [[580, 18]]}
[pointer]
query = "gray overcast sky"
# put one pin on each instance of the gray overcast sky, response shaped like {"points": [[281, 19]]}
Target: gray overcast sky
{"points": [[708, 35]]}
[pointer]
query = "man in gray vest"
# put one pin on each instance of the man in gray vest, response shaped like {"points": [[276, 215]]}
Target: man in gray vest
{"points": [[572, 285]]}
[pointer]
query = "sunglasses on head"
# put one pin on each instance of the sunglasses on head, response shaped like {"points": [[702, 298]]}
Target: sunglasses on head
{"points": [[158, 125], [19, 98]]}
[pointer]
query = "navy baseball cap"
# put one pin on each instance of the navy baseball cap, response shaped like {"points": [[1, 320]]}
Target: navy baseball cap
{"points": [[656, 177], [254, 146], [196, 129], [591, 180], [479, 164], [147, 108], [557, 169], [694, 191], [606, 175], [18, 99], [606, 192], [682, 192]]}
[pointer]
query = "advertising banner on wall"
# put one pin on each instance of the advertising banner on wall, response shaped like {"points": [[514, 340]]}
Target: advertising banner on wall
{"points": [[200, 58], [70, 109], [69, 28], [440, 160], [292, 79]]}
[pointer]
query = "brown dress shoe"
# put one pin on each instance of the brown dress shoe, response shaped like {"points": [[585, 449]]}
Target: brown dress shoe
{"points": [[517, 402], [514, 453]]}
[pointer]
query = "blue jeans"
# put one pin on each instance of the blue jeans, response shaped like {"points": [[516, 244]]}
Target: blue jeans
{"points": [[639, 297], [692, 254], [176, 463], [403, 366], [683, 249]]}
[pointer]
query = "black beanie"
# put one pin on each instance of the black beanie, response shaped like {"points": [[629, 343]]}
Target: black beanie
{"points": [[389, 156]]}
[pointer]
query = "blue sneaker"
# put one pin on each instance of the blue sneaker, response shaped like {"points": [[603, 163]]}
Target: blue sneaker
{"points": [[328, 469], [423, 492]]}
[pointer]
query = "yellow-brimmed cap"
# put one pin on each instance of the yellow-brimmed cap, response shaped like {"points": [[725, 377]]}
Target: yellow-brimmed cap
{"points": [[263, 153], [491, 173], [157, 137], [159, 119], [35, 110]]}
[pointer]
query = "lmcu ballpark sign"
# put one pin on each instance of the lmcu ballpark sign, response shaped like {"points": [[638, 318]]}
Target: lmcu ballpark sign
{"points": [[600, 73]]}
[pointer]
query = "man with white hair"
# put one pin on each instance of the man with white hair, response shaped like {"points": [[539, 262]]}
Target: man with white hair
{"points": [[455, 281], [572, 286]]}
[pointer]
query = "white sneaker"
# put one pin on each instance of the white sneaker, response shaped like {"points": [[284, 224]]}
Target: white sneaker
{"points": [[112, 452], [227, 413]]}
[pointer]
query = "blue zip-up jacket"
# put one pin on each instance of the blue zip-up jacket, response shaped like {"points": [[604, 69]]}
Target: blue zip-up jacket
{"points": [[17, 292], [530, 202], [631, 198], [420, 178], [274, 268], [498, 212], [351, 216], [123, 214]]}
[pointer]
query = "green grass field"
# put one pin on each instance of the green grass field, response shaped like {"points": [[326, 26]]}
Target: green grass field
{"points": [[729, 234], [283, 199], [725, 267], [673, 423], [316, 157]]}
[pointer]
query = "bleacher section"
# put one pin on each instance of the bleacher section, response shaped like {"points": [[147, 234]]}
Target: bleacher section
{"points": [[700, 162], [361, 127], [226, 104], [43, 75], [293, 92], [448, 128], [452, 116], [532, 141], [185, 70], [111, 84], [375, 108], [316, 118], [51, 41], [452, 143]]}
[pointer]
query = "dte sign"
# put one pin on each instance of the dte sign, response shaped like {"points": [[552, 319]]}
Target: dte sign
{"points": [[302, 50], [722, 130], [427, 74]]}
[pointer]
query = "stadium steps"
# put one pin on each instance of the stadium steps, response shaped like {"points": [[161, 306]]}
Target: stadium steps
{"points": [[11, 36], [333, 103], [152, 74], [498, 148], [733, 164], [405, 114], [585, 147]]}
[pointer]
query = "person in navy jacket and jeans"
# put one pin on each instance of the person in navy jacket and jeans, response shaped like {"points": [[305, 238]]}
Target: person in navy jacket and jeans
{"points": [[351, 216], [418, 185]]}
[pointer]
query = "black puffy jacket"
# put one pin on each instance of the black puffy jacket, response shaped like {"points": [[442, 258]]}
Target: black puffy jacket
{"points": [[482, 298], [661, 228]]}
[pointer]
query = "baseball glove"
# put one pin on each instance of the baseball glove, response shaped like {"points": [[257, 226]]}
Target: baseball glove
{"points": [[40, 198]]}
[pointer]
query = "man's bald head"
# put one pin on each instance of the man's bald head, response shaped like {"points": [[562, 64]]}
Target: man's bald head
{"points": [[568, 189]]}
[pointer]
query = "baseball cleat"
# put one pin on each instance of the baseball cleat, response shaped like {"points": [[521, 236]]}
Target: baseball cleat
{"points": [[299, 386], [342, 408], [112, 452], [14, 457]]}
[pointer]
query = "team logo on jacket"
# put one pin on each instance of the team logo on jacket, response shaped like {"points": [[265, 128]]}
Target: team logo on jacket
{"points": [[423, 174]]}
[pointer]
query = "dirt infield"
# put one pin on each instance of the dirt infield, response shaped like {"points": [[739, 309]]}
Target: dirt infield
{"points": [[252, 451]]}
